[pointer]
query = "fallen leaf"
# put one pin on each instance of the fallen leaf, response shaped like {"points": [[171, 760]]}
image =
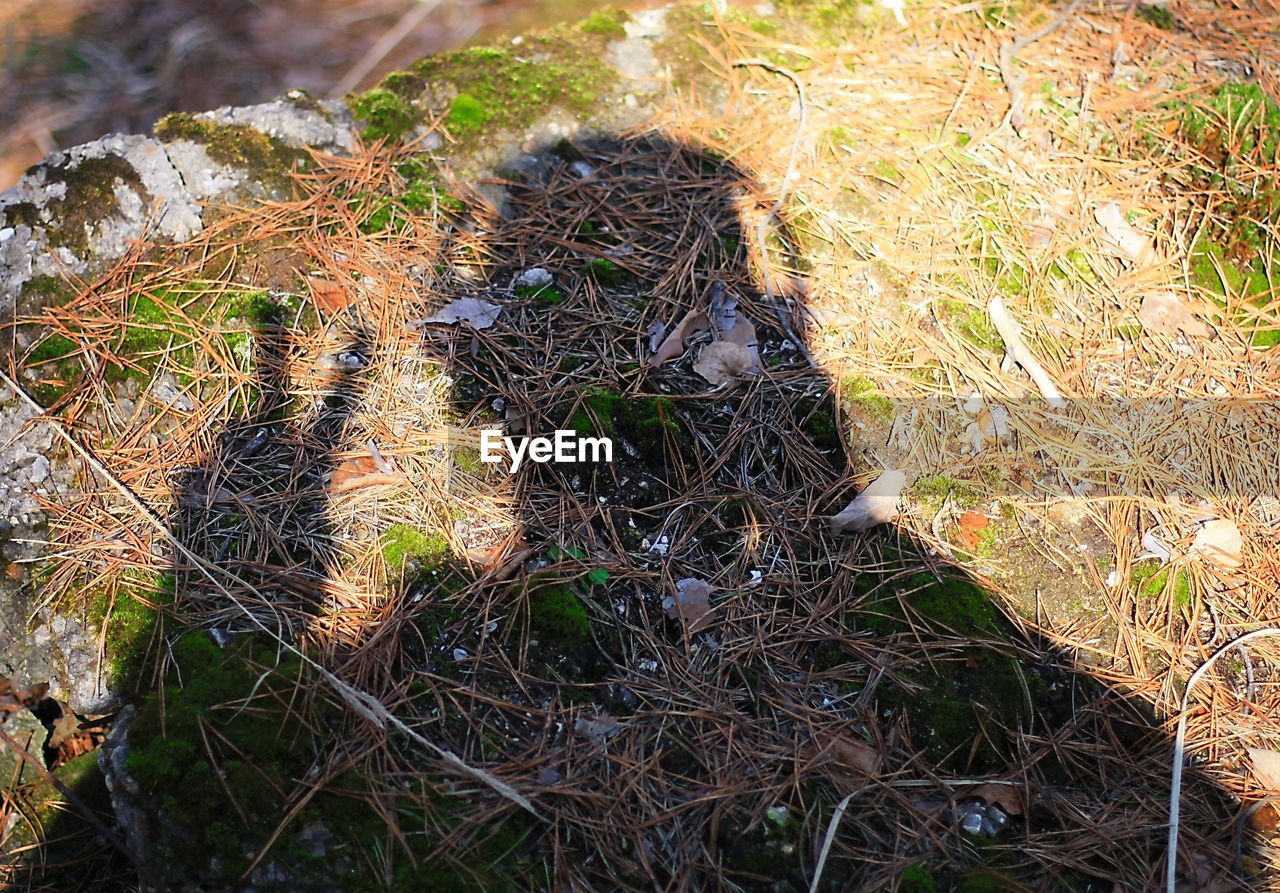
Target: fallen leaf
{"points": [[1127, 241], [656, 333], [12, 699], [349, 469], [691, 603], [877, 504], [743, 333], [1266, 766], [673, 345], [599, 730], [360, 471], [721, 362], [855, 755], [970, 523], [327, 294], [14, 572], [474, 312], [1009, 797], [722, 307], [1164, 313], [1218, 542]]}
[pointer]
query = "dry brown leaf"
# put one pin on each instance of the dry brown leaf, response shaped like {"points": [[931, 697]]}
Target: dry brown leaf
{"points": [[743, 333], [474, 312], [970, 523], [360, 471], [1127, 241], [1266, 766], [1218, 542], [327, 295], [721, 362], [1164, 313], [599, 730], [12, 699], [349, 469], [856, 756], [1009, 797], [877, 504], [691, 603], [673, 345], [14, 571]]}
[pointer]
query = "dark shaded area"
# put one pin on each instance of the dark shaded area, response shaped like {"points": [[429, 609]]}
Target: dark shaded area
{"points": [[673, 753]]}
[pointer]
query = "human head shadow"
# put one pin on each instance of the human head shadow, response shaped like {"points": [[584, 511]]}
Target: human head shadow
{"points": [[678, 741]]}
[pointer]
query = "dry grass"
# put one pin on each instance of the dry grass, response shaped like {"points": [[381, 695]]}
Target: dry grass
{"points": [[895, 235]]}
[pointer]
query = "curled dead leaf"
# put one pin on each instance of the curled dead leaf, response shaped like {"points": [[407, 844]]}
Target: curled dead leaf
{"points": [[474, 312], [1165, 313], [1009, 797], [1122, 237], [360, 471], [1266, 766], [1218, 542], [673, 345], [721, 362], [598, 731], [691, 603], [327, 295], [876, 504], [856, 756]]}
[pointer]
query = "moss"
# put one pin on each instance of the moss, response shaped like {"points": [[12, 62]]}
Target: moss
{"points": [[129, 620], [917, 879], [403, 546], [21, 214], [386, 115], [544, 295], [972, 323], [558, 616], [505, 91], [648, 423], [935, 489], [221, 746], [608, 22], [467, 115], [1151, 580], [88, 198], [235, 145], [1159, 16], [951, 603], [865, 401], [604, 271]]}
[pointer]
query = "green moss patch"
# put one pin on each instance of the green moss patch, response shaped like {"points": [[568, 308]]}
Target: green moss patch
{"points": [[496, 89], [234, 145], [557, 615], [950, 702], [407, 547], [385, 113], [89, 197], [609, 22]]}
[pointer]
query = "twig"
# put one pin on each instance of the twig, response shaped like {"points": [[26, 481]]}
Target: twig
{"points": [[362, 702], [1013, 79], [770, 292], [1179, 746], [827, 841], [72, 797]]}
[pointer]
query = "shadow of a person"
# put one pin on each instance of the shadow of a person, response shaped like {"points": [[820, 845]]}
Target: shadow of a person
{"points": [[668, 651]]}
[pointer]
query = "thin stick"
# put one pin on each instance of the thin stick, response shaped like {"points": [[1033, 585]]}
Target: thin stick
{"points": [[1179, 745], [827, 841], [72, 797], [362, 702]]}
